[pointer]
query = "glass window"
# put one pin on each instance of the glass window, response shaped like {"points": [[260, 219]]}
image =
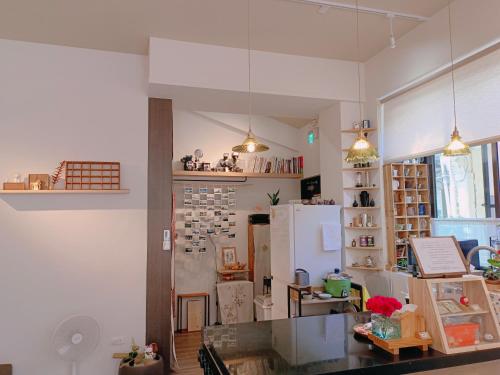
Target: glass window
{"points": [[464, 186]]}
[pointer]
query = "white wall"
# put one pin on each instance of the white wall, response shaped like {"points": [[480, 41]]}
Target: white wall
{"points": [[311, 152], [331, 153], [216, 133], [64, 255], [215, 78]]}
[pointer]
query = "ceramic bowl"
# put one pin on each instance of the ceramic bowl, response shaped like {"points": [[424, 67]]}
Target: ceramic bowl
{"points": [[324, 295]]}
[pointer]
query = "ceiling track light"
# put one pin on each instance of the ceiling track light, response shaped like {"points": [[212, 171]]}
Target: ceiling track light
{"points": [[327, 4]]}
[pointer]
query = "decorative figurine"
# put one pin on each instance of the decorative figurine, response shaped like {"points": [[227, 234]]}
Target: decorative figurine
{"points": [[464, 301], [234, 157], [372, 203], [188, 162], [224, 164], [353, 243], [364, 197], [355, 203]]}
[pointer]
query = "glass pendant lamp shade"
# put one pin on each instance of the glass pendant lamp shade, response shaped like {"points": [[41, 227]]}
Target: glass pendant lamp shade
{"points": [[362, 151], [250, 145], [456, 147]]}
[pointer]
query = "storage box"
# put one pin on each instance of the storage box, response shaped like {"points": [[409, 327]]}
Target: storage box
{"points": [[13, 186], [462, 334]]}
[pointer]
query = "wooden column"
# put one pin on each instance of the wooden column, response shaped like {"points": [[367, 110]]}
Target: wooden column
{"points": [[158, 294]]}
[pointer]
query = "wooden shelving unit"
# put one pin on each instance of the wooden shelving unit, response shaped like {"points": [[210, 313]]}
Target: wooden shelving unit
{"points": [[63, 192], [235, 174], [454, 332], [371, 182], [407, 208]]}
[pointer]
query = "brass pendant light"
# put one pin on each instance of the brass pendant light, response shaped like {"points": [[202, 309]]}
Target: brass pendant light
{"points": [[456, 147], [362, 151], [250, 144]]}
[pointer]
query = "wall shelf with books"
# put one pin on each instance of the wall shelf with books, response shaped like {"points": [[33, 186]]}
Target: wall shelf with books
{"points": [[236, 174]]}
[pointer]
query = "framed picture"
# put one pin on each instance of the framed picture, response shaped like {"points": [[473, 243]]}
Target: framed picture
{"points": [[39, 181], [228, 256], [439, 256]]}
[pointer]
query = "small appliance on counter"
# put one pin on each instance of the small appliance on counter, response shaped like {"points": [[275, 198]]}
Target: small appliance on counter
{"points": [[301, 277], [338, 285]]}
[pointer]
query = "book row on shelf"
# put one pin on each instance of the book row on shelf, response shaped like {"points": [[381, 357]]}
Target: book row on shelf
{"points": [[275, 164]]}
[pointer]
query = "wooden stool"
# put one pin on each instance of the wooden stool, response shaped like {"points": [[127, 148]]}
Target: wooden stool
{"points": [[206, 300]]}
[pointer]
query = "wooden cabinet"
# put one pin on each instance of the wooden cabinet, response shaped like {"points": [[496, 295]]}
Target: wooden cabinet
{"points": [[407, 208], [456, 327]]}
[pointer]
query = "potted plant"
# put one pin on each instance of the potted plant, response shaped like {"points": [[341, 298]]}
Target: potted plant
{"points": [[274, 198], [492, 275]]}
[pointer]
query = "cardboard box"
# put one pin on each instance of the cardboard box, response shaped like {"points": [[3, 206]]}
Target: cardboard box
{"points": [[13, 186]]}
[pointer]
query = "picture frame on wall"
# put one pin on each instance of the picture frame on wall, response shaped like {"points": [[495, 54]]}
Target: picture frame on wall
{"points": [[229, 256]]}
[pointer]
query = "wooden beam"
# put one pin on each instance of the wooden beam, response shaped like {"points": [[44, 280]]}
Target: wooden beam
{"points": [[158, 283]]}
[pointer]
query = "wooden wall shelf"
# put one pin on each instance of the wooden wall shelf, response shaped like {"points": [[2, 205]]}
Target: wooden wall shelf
{"points": [[363, 268], [356, 131], [49, 192], [236, 174]]}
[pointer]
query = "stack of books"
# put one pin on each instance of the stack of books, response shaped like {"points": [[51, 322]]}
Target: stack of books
{"points": [[294, 165]]}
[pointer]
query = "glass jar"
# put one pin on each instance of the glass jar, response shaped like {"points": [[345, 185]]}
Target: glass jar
{"points": [[385, 327]]}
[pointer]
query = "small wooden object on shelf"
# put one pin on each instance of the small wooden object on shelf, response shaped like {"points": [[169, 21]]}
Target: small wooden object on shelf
{"points": [[92, 175], [13, 186], [407, 208]]}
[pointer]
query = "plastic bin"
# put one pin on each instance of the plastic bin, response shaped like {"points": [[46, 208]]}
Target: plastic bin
{"points": [[263, 306]]}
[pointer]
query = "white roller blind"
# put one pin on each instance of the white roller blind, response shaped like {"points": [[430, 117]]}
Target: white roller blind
{"points": [[421, 120]]}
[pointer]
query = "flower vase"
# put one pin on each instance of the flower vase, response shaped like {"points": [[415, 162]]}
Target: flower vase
{"points": [[385, 327]]}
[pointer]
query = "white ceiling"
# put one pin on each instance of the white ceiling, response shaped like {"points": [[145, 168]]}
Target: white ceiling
{"points": [[277, 25]]}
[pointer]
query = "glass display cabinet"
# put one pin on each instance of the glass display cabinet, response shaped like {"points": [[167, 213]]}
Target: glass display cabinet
{"points": [[458, 313]]}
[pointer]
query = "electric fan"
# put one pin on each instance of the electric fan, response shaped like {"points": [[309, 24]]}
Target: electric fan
{"points": [[76, 338]]}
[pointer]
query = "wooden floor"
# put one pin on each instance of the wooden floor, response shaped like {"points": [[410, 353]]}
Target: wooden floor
{"points": [[187, 345]]}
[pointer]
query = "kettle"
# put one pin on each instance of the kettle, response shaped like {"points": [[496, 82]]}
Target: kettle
{"points": [[301, 277]]}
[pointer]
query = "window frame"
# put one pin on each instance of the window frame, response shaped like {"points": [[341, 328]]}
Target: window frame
{"points": [[495, 147]]}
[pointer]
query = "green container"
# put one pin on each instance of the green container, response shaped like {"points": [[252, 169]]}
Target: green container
{"points": [[338, 288]]}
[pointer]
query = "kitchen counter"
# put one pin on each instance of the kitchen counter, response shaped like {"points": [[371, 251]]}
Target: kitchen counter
{"points": [[315, 345]]}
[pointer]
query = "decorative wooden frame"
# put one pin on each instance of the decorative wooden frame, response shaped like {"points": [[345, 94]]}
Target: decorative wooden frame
{"points": [[92, 175], [232, 250], [43, 178], [443, 275]]}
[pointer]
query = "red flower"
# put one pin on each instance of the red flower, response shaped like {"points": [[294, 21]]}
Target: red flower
{"points": [[383, 305]]}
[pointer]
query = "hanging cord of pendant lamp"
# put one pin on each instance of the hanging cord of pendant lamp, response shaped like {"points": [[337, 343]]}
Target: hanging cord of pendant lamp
{"points": [[250, 144], [362, 151], [456, 147]]}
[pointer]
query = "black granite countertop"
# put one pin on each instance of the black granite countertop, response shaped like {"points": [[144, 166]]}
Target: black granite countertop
{"points": [[316, 345]]}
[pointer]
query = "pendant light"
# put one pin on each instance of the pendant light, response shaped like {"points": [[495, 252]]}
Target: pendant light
{"points": [[362, 151], [250, 144], [456, 147]]}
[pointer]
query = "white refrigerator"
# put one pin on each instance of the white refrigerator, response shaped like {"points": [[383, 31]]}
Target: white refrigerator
{"points": [[307, 237]]}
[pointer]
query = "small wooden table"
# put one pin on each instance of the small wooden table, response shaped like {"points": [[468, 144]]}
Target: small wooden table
{"points": [[206, 302]]}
